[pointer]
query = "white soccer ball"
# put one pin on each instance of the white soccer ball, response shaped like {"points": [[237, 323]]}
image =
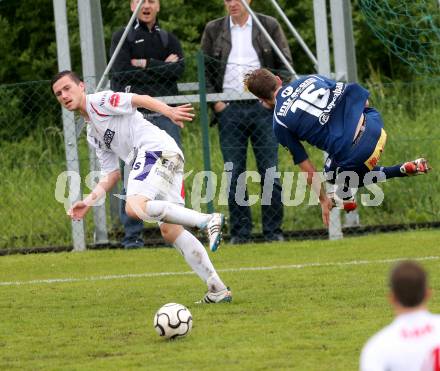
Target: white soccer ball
{"points": [[172, 321]]}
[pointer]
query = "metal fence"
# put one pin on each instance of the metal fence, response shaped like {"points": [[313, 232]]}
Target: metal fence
{"points": [[218, 147]]}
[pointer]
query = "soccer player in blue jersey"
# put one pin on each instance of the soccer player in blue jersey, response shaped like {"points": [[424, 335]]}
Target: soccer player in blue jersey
{"points": [[334, 117]]}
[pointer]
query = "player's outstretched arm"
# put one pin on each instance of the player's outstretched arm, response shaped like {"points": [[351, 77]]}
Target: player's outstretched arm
{"points": [[80, 208], [326, 204], [177, 114]]}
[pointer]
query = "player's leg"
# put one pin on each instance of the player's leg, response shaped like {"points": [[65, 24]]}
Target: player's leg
{"points": [[148, 190], [193, 251], [348, 173], [341, 188], [409, 168], [141, 207], [382, 173], [197, 258], [369, 145], [341, 185]]}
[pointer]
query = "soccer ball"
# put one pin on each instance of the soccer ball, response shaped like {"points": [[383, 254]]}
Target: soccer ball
{"points": [[172, 321]]}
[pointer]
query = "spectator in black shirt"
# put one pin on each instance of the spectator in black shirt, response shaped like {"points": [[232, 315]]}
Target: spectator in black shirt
{"points": [[149, 62]]}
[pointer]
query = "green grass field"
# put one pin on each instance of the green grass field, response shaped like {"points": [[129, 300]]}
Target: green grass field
{"points": [[297, 305]]}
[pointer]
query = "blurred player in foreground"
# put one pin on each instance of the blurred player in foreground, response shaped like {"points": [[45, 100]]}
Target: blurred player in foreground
{"points": [[154, 188], [412, 341], [334, 117]]}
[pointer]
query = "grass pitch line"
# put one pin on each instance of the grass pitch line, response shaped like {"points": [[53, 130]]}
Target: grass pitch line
{"points": [[242, 269]]}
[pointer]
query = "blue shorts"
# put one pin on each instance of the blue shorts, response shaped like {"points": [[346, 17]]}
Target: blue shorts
{"points": [[365, 153]]}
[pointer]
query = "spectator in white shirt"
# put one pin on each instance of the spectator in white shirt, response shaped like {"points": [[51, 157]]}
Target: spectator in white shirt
{"points": [[233, 45]]}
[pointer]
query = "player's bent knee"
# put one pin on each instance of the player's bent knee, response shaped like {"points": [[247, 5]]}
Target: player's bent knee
{"points": [[156, 211], [170, 232], [130, 210], [135, 207]]}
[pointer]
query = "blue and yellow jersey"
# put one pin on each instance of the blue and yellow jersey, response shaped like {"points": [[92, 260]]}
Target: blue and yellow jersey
{"points": [[320, 111]]}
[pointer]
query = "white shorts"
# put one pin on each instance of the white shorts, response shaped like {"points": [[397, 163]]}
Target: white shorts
{"points": [[157, 176]]}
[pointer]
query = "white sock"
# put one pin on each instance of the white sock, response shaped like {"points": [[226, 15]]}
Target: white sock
{"points": [[168, 212], [198, 259]]}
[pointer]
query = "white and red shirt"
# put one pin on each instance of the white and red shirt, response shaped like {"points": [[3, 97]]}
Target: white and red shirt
{"points": [[116, 128], [410, 343]]}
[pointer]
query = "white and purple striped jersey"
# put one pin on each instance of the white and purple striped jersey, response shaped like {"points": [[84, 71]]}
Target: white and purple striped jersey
{"points": [[116, 129]]}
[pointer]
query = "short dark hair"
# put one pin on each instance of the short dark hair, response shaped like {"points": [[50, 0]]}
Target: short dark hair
{"points": [[408, 282], [61, 74], [261, 82]]}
